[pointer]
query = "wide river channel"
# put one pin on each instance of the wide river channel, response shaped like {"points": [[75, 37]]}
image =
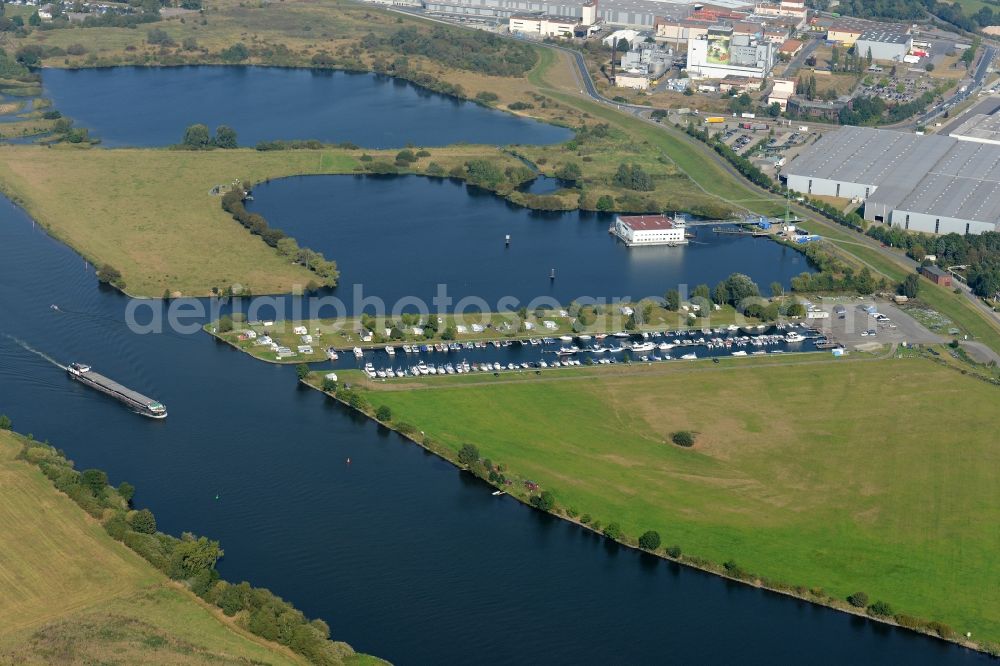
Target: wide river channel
{"points": [[402, 554]]}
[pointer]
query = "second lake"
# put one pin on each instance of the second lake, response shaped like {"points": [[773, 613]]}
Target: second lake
{"points": [[403, 236], [140, 106]]}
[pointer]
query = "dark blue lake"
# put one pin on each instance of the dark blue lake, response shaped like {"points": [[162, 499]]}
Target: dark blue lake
{"points": [[151, 106], [403, 236], [403, 555]]}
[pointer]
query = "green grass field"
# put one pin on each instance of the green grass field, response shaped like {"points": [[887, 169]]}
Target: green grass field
{"points": [[69, 593], [879, 476]]}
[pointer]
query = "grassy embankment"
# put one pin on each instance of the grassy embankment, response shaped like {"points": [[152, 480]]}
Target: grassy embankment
{"points": [[343, 334], [691, 158], [70, 593], [804, 472]]}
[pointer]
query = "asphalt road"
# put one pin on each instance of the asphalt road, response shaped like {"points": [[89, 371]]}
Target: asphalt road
{"points": [[796, 62], [979, 75], [986, 107]]}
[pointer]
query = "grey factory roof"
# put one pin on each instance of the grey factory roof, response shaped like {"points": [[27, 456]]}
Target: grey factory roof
{"points": [[979, 127], [936, 175], [884, 36], [845, 23], [965, 185]]}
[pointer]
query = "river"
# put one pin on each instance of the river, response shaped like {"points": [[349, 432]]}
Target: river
{"points": [[403, 555]]}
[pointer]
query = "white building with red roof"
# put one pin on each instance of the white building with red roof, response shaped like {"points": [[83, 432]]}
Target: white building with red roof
{"points": [[649, 230]]}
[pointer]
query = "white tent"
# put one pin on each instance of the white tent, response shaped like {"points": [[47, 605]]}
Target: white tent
{"points": [[633, 37]]}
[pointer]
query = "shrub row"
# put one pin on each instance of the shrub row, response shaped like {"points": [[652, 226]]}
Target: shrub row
{"points": [[232, 203]]}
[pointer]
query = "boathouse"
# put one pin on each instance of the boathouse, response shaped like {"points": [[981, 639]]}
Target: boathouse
{"points": [[649, 230]]}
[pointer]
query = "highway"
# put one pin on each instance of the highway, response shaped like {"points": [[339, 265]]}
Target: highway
{"points": [[989, 55]]}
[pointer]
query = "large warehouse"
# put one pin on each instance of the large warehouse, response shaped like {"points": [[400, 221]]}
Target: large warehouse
{"points": [[934, 184], [884, 44]]}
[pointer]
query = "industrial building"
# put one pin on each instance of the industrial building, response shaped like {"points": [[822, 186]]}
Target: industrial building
{"points": [[542, 24], [641, 14], [936, 275], [781, 92], [649, 230], [649, 59], [884, 44], [934, 184], [783, 8], [721, 53], [739, 84], [847, 30]]}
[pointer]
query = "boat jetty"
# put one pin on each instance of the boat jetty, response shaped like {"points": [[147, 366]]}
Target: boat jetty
{"points": [[597, 349], [138, 402]]}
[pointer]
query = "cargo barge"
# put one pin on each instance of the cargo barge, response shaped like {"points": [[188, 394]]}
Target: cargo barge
{"points": [[136, 401]]}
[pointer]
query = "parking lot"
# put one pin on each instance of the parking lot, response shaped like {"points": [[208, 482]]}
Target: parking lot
{"points": [[856, 328], [892, 88]]}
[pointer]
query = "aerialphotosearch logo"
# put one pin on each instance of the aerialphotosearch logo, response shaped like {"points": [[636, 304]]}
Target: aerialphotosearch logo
{"points": [[330, 313]]}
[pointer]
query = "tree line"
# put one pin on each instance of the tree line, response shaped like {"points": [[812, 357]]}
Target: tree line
{"points": [[326, 270], [910, 10], [748, 169], [873, 110], [198, 137], [980, 252], [189, 559]]}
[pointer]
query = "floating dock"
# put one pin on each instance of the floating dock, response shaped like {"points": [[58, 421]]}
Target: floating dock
{"points": [[136, 401], [756, 233]]}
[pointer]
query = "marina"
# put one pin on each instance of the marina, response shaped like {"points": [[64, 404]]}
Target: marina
{"points": [[547, 353]]}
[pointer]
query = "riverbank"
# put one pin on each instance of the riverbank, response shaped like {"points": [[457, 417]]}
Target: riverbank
{"points": [[71, 590], [737, 497]]}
